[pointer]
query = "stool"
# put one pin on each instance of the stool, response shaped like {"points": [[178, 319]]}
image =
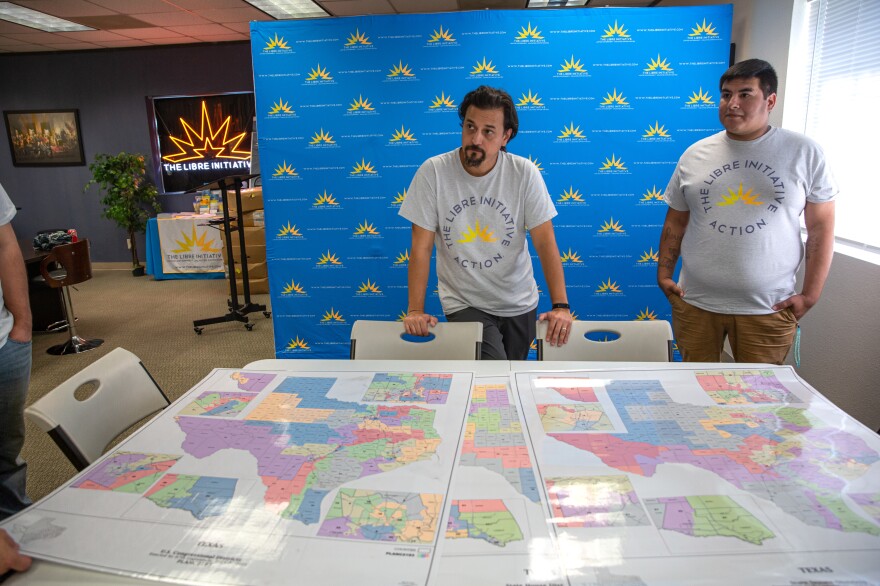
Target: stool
{"points": [[76, 267]]}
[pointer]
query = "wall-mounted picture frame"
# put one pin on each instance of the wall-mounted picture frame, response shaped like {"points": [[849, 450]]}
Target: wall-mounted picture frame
{"points": [[43, 138]]}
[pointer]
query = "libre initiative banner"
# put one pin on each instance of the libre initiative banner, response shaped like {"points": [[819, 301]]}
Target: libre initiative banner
{"points": [[348, 108]]}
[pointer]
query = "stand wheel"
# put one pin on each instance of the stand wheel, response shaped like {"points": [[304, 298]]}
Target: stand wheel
{"points": [[267, 313], [198, 330], [249, 327]]}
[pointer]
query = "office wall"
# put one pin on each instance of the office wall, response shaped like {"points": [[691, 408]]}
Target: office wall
{"points": [[109, 88]]}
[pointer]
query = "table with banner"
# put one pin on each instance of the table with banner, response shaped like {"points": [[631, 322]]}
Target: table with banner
{"points": [[471, 472], [184, 246]]}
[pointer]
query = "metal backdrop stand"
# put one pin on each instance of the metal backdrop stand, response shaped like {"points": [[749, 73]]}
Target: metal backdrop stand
{"points": [[236, 312]]}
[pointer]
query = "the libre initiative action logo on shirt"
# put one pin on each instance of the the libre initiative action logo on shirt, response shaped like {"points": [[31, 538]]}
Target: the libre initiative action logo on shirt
{"points": [[481, 220], [734, 188]]}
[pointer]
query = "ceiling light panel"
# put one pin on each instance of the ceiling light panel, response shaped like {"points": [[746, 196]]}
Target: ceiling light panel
{"points": [[283, 9], [38, 20]]}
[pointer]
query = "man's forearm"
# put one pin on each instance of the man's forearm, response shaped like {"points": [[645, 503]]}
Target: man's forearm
{"points": [[670, 243], [13, 276], [817, 263], [417, 280]]}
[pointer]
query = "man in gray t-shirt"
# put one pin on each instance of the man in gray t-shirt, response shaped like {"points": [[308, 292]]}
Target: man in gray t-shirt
{"points": [[475, 205], [735, 202]]}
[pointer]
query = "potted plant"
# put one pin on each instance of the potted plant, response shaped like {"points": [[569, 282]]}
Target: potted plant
{"points": [[129, 199]]}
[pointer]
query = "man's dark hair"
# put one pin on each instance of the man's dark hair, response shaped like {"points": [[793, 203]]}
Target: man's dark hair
{"points": [[490, 98], [753, 68]]}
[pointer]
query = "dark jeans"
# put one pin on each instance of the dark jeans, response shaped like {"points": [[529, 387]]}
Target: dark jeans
{"points": [[504, 338]]}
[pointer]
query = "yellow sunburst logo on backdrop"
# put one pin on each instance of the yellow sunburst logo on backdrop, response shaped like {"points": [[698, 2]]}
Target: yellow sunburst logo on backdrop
{"points": [[656, 131], [297, 344], [649, 256], [363, 167], [292, 288], [658, 63], [571, 256], [322, 137], [357, 38], [612, 226], [615, 31], [536, 162], [276, 42], [332, 315], [402, 258], [614, 98], [195, 242], [571, 131], [366, 228], [441, 35], [319, 73], [572, 65], [360, 104], [484, 68], [442, 101], [289, 230], [280, 107], [613, 163], [652, 194], [399, 199], [608, 287], [402, 134], [571, 194], [478, 233], [401, 70], [747, 198], [284, 169], [646, 315], [700, 97], [326, 199], [369, 287], [530, 100], [328, 258], [529, 32], [703, 29]]}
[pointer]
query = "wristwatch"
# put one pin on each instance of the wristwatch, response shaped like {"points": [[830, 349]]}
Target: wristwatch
{"points": [[561, 306]]}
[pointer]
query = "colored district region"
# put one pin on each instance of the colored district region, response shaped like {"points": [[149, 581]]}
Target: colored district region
{"points": [[776, 453], [203, 496], [219, 404], [743, 387], [401, 517], [562, 385], [870, 503], [307, 444], [494, 439], [253, 382], [486, 519], [130, 472], [574, 418], [707, 516], [594, 501], [409, 387]]}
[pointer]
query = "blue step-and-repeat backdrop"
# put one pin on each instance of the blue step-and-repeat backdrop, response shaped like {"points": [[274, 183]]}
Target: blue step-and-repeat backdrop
{"points": [[348, 108]]}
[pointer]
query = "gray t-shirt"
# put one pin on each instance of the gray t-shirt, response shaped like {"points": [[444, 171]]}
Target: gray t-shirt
{"points": [[480, 226], [742, 247], [7, 212]]}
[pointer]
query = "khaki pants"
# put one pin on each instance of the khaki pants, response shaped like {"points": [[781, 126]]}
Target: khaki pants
{"points": [[753, 338]]}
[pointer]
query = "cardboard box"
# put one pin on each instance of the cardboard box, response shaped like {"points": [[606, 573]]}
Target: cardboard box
{"points": [[251, 199], [256, 270], [255, 253], [254, 219], [257, 286], [252, 235]]}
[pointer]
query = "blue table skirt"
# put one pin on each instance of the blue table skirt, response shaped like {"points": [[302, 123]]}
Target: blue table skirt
{"points": [[154, 258]]}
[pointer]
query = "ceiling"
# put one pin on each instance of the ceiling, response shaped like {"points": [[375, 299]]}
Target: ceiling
{"points": [[141, 23]]}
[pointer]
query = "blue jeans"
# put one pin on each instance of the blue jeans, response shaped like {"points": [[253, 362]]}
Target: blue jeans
{"points": [[15, 373]]}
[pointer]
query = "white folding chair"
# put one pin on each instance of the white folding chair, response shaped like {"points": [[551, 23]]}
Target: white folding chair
{"points": [[125, 394], [611, 341], [388, 340]]}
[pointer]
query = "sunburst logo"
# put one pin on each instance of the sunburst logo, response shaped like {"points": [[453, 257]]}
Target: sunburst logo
{"points": [[614, 98], [530, 100], [478, 232], [293, 288], [613, 163], [369, 287], [325, 199], [571, 256], [441, 35], [332, 315], [658, 64], [529, 32], [703, 29], [572, 66], [537, 163], [646, 315], [615, 31], [322, 137], [402, 258], [650, 256], [398, 200], [363, 167], [612, 226], [207, 141], [652, 194], [747, 198], [401, 70], [401, 316], [297, 344], [360, 104], [357, 38], [280, 107], [571, 131], [656, 131], [485, 68], [192, 242], [328, 258], [366, 228], [319, 73], [402, 135], [608, 287], [700, 97], [276, 43], [442, 101], [571, 194], [284, 169], [289, 230]]}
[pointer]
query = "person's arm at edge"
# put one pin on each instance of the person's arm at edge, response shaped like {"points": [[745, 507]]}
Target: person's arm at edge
{"points": [[15, 285], [417, 321], [10, 558], [559, 326], [674, 227], [819, 220]]}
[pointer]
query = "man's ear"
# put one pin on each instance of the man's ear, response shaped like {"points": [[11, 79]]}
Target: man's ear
{"points": [[507, 134], [771, 101]]}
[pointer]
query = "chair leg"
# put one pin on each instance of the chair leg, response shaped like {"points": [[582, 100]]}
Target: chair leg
{"points": [[75, 344]]}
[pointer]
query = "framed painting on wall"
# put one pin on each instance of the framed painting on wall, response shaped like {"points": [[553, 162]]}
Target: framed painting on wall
{"points": [[39, 138]]}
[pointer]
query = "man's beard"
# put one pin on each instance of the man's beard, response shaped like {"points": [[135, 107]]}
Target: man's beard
{"points": [[474, 162]]}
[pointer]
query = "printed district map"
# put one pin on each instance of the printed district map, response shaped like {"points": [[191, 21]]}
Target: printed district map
{"points": [[731, 465]]}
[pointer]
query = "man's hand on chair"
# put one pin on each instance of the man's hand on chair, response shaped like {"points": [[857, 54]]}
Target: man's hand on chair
{"points": [[418, 322]]}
